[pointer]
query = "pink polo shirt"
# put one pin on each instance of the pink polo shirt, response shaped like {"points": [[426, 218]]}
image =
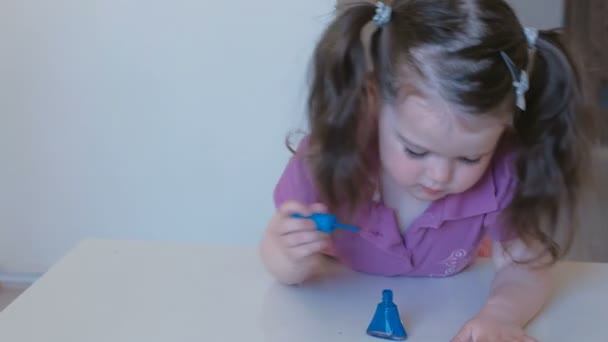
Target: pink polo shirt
{"points": [[441, 242]]}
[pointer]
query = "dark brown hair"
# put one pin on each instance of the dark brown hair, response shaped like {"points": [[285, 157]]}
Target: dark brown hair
{"points": [[454, 46]]}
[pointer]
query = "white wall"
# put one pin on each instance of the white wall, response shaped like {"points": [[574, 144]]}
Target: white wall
{"points": [[145, 119], [150, 119], [543, 14]]}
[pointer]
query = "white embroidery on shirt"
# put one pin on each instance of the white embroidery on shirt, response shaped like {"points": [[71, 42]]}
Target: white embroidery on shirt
{"points": [[452, 262]]}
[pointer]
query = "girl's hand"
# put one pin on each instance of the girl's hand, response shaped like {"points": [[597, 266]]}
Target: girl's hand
{"points": [[485, 328], [292, 247]]}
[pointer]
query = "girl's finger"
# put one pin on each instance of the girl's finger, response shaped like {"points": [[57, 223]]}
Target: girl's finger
{"points": [[308, 249], [318, 208], [303, 237]]}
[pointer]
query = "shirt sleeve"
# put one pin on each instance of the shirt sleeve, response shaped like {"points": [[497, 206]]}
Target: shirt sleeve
{"points": [[505, 182], [295, 183]]}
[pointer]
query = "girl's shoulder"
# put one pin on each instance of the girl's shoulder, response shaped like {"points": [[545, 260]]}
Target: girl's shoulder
{"points": [[295, 182], [503, 174], [503, 167]]}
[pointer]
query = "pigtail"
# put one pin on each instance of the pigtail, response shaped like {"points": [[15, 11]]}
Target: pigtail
{"points": [[555, 135], [342, 130]]}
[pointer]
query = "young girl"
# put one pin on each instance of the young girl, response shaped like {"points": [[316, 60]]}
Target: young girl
{"points": [[448, 123]]}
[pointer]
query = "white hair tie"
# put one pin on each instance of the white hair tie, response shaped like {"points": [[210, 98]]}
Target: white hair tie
{"points": [[531, 36], [383, 14], [521, 80]]}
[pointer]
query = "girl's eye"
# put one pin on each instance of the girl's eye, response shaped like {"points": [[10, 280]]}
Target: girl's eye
{"points": [[470, 161], [414, 154]]}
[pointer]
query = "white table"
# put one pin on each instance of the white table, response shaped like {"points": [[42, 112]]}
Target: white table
{"points": [[123, 291]]}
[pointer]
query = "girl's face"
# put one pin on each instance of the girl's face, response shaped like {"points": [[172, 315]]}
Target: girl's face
{"points": [[431, 151]]}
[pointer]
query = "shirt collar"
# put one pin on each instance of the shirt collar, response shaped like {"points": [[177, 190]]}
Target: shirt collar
{"points": [[478, 200], [482, 198]]}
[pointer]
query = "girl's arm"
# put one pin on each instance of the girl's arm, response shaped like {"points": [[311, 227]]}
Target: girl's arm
{"points": [[518, 293]]}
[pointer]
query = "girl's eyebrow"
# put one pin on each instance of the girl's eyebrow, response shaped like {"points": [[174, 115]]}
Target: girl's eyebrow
{"points": [[408, 142], [404, 140]]}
